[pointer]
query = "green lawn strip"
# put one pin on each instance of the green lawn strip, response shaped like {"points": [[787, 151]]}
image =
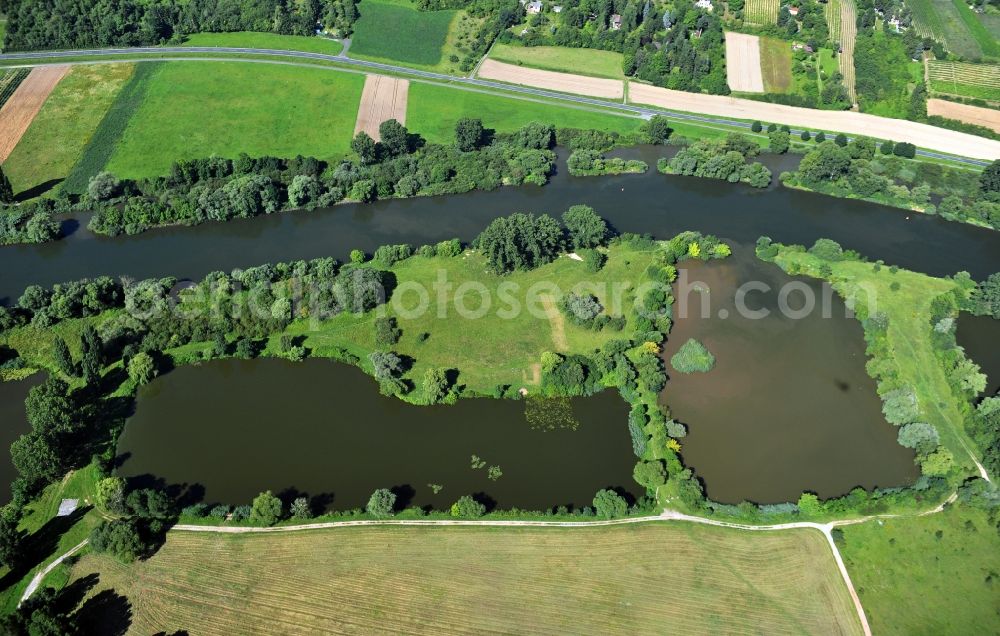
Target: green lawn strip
{"points": [[102, 144], [199, 109], [909, 335], [977, 30], [433, 109], [592, 62], [64, 126], [395, 32], [256, 40], [933, 574]]}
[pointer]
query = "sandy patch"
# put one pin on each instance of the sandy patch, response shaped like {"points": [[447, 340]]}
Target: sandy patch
{"points": [[382, 99], [962, 112], [555, 322], [550, 80], [743, 63], [852, 123], [24, 104]]}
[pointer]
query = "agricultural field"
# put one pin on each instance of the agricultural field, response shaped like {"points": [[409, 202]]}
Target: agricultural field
{"points": [[105, 139], [9, 81], [679, 578], [952, 22], [976, 115], [743, 63], [556, 58], [64, 126], [935, 574], [848, 35], [248, 39], [776, 65], [981, 81], [992, 23], [762, 12], [382, 99], [20, 108], [197, 109], [833, 14], [393, 31], [433, 110]]}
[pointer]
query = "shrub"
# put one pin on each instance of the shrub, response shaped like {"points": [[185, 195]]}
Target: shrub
{"points": [[692, 356], [381, 503], [920, 436], [609, 504], [468, 507], [266, 509]]}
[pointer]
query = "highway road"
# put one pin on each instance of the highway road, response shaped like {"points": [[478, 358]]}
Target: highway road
{"points": [[35, 58]]}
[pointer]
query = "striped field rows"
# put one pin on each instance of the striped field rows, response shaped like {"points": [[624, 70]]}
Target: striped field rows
{"points": [[655, 578], [987, 75], [762, 12], [848, 33]]}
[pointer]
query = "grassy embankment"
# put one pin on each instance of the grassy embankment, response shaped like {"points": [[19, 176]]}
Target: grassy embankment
{"points": [[936, 574], [394, 32], [64, 126], [429, 580], [591, 62], [197, 109], [255, 40], [909, 334]]}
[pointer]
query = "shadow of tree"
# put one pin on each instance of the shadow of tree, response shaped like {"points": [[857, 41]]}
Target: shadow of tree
{"points": [[107, 612], [40, 545]]}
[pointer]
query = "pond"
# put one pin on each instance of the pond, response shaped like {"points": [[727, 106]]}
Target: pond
{"points": [[651, 203], [13, 424], [789, 406], [318, 427], [980, 337]]}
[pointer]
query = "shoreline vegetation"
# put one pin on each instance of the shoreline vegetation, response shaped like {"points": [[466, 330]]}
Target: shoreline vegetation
{"points": [[100, 341], [83, 334], [404, 165]]}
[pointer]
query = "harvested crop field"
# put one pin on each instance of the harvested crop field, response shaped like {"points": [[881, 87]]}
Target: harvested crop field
{"points": [[24, 104], [923, 135], [650, 578], [383, 98], [743, 63], [986, 117], [562, 82]]}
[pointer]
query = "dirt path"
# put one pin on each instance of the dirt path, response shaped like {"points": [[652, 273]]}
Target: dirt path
{"points": [[848, 33], [977, 115], [17, 114], [556, 322], [562, 82], [743, 73], [382, 99], [37, 579]]}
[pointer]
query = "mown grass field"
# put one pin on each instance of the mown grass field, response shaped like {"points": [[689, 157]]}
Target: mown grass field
{"points": [[394, 31], [936, 574], [102, 144], [486, 347], [963, 78], [253, 39], [557, 58], [433, 110], [64, 126], [909, 335], [762, 12], [197, 109], [952, 22], [663, 578], [776, 64]]}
